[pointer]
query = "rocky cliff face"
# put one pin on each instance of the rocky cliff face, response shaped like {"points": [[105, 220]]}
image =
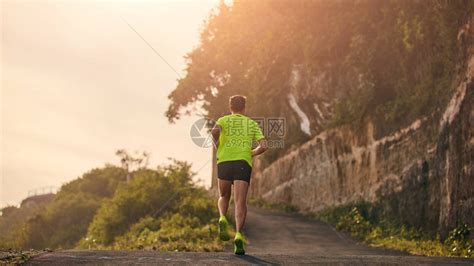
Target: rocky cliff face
{"points": [[422, 174]]}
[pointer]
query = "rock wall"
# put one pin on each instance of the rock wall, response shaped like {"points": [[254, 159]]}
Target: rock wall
{"points": [[423, 174]]}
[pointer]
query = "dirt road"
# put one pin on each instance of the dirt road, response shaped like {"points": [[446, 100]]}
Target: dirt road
{"points": [[274, 238]]}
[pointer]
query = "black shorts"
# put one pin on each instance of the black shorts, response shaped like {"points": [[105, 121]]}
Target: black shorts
{"points": [[234, 170]]}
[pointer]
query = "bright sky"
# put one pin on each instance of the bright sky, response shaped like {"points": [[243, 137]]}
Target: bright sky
{"points": [[78, 84]]}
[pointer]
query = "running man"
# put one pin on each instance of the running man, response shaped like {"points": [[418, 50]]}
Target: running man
{"points": [[234, 136]]}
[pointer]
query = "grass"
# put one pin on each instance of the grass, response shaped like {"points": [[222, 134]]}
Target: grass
{"points": [[17, 257], [261, 203]]}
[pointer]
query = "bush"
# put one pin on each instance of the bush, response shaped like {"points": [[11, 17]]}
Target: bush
{"points": [[354, 223], [62, 222], [259, 202], [458, 241], [176, 232], [362, 222], [158, 209]]}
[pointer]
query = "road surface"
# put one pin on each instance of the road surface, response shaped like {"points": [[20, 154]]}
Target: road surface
{"points": [[274, 238]]}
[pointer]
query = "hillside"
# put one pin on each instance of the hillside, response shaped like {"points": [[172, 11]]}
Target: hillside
{"points": [[377, 97], [322, 64], [159, 209]]}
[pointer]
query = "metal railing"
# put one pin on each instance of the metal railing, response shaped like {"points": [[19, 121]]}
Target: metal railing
{"points": [[42, 191]]}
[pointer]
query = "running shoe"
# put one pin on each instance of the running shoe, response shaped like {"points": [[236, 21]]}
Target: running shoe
{"points": [[239, 244], [223, 229]]}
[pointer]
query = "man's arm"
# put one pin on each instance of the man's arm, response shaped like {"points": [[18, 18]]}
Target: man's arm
{"points": [[216, 132], [261, 148]]}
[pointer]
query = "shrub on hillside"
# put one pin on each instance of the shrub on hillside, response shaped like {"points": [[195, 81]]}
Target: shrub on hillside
{"points": [[65, 220], [157, 209], [362, 222]]}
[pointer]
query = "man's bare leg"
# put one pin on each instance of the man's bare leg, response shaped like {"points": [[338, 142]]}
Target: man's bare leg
{"points": [[225, 188], [240, 198]]}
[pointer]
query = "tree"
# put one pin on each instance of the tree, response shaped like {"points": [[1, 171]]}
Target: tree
{"points": [[129, 162], [390, 61]]}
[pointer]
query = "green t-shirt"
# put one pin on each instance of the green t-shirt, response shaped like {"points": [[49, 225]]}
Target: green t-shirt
{"points": [[238, 132]]}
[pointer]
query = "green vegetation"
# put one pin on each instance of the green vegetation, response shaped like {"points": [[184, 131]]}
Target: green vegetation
{"points": [[10, 220], [158, 209], [363, 224], [261, 203], [16, 257], [64, 221], [390, 61]]}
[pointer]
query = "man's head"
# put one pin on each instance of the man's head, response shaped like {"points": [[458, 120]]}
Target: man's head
{"points": [[237, 103]]}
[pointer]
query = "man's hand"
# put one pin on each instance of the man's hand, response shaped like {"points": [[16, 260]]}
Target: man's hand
{"points": [[261, 148]]}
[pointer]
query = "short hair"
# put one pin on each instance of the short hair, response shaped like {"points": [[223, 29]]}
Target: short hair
{"points": [[237, 103]]}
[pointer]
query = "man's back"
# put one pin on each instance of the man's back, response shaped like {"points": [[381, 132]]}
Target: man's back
{"points": [[238, 132]]}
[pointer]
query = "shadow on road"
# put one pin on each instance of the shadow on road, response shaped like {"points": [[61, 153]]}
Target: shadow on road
{"points": [[255, 260]]}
